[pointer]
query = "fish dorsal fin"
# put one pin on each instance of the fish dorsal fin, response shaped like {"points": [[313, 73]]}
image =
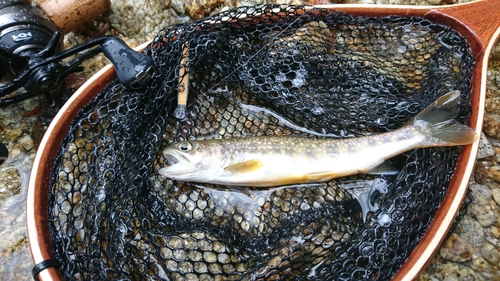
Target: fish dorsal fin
{"points": [[244, 167]]}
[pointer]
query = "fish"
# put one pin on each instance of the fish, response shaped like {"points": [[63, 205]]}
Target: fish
{"points": [[267, 161]]}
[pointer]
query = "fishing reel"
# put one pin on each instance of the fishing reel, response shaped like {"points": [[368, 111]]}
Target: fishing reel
{"points": [[31, 54], [31, 50]]}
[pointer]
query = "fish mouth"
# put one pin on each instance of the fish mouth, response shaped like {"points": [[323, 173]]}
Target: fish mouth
{"points": [[171, 160], [178, 166]]}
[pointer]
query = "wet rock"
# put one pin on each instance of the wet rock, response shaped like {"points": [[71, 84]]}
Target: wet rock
{"points": [[479, 193], [15, 151], [198, 9], [479, 264], [470, 230], [460, 275], [140, 20], [497, 76], [496, 148], [299, 2], [491, 125], [494, 232], [494, 173], [485, 213], [240, 3], [496, 195], [489, 276], [480, 173], [30, 104], [26, 142], [459, 272], [456, 249], [14, 134], [483, 207], [9, 182], [492, 235], [15, 260], [490, 253], [178, 6], [485, 148]]}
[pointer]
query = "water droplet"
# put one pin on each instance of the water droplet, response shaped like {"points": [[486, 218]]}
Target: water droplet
{"points": [[384, 220]]}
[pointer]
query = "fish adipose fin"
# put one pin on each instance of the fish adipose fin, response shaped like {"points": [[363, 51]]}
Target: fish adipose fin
{"points": [[437, 123], [244, 167]]}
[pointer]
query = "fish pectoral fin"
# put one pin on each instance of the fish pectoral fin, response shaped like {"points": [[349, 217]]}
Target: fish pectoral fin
{"points": [[384, 168], [244, 167], [320, 176]]}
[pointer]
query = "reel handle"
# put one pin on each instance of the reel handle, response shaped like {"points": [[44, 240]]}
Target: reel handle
{"points": [[133, 69]]}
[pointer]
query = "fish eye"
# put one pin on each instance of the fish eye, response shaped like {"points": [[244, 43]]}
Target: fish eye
{"points": [[185, 146]]}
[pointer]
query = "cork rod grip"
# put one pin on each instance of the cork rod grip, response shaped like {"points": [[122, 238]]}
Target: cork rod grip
{"points": [[67, 15]]}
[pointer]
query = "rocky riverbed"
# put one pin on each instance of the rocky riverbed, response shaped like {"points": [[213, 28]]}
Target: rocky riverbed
{"points": [[471, 252]]}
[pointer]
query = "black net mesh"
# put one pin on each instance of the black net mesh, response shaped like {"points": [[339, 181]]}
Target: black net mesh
{"points": [[268, 70]]}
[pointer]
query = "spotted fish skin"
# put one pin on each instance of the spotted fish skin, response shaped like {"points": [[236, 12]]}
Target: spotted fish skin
{"points": [[266, 161]]}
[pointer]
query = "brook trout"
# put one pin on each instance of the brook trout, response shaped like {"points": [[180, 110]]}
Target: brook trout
{"points": [[283, 160]]}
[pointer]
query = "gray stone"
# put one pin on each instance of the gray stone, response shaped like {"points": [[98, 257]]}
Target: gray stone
{"points": [[490, 253], [178, 6], [496, 195], [470, 230], [26, 142], [485, 148], [485, 213], [455, 248], [479, 192]]}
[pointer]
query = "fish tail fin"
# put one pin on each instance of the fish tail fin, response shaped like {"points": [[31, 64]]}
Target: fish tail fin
{"points": [[437, 123]]}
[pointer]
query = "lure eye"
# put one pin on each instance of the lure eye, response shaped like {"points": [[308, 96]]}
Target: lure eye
{"points": [[185, 146]]}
